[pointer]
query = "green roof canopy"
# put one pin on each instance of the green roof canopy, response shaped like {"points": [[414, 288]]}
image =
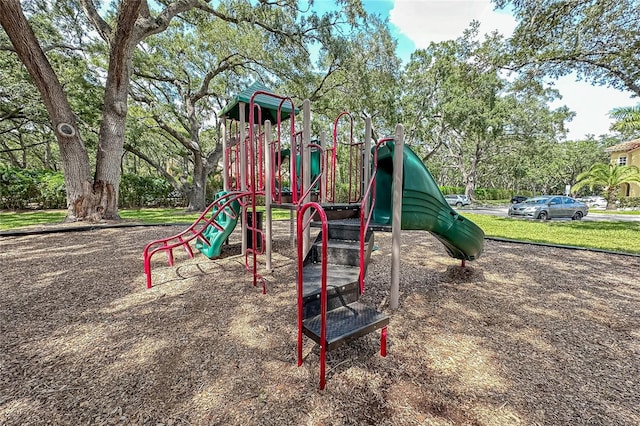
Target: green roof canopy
{"points": [[268, 105]]}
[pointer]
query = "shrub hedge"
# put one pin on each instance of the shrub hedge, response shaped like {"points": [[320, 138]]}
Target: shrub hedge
{"points": [[485, 193], [28, 188], [626, 202], [147, 191], [24, 188]]}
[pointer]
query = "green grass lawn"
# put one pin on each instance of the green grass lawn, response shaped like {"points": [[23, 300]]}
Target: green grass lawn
{"points": [[627, 212], [609, 235], [13, 220], [606, 235]]}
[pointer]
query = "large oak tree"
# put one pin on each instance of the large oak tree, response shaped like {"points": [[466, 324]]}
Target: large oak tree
{"points": [[90, 196], [596, 39], [94, 195]]}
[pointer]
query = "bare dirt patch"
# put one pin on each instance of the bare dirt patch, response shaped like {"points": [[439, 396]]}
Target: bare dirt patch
{"points": [[525, 335]]}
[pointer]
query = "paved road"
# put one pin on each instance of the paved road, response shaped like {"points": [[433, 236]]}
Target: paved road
{"points": [[593, 215]]}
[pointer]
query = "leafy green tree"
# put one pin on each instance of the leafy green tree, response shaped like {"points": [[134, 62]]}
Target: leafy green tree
{"points": [[91, 197], [189, 72], [123, 27], [179, 85], [356, 70], [596, 39], [25, 132], [466, 119], [577, 157], [610, 177], [627, 119]]}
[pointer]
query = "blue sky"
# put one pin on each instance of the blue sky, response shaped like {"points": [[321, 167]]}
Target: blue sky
{"points": [[415, 23]]}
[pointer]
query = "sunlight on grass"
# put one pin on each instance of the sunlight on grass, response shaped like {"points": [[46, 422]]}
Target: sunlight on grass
{"points": [[605, 235], [13, 220], [152, 216]]}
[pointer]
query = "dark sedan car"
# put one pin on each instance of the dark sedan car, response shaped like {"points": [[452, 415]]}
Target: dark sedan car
{"points": [[549, 207], [518, 199]]}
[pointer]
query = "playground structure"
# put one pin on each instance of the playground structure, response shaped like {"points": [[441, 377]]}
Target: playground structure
{"points": [[261, 153]]}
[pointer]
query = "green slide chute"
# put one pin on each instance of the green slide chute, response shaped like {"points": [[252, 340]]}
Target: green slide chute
{"points": [[423, 205], [226, 219], [314, 161]]}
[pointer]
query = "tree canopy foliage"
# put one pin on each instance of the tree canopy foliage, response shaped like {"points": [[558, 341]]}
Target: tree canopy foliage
{"points": [[135, 87], [627, 119], [467, 118], [596, 39], [122, 28], [610, 177]]}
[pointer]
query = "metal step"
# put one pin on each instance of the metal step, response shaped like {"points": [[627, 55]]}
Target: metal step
{"points": [[342, 287], [339, 211], [343, 246], [354, 223], [349, 232], [337, 276], [338, 251], [345, 323]]}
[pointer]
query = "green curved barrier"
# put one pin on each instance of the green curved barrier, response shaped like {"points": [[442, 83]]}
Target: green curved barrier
{"points": [[227, 219], [423, 205], [314, 160]]}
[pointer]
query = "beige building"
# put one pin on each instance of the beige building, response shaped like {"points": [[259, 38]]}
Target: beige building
{"points": [[627, 154]]}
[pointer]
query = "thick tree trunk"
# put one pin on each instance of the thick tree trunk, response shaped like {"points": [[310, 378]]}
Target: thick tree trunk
{"points": [[197, 195], [114, 113], [73, 153]]}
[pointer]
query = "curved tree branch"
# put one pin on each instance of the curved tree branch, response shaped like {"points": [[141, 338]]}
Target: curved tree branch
{"points": [[100, 25]]}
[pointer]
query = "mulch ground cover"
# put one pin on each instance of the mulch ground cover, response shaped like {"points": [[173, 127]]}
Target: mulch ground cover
{"points": [[525, 335]]}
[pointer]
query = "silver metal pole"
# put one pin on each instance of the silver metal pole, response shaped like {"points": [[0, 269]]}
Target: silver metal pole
{"points": [[396, 231]]}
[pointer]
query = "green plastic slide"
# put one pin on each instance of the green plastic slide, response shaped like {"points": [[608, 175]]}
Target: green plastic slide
{"points": [[315, 163], [227, 219], [423, 205]]}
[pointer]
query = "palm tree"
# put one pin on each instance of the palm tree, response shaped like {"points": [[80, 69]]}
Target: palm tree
{"points": [[628, 118], [610, 177]]}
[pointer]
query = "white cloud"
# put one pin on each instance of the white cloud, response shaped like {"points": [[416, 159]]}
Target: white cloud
{"points": [[424, 21], [591, 104]]}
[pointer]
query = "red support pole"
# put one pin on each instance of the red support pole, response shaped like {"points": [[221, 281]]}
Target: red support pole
{"points": [[383, 341]]}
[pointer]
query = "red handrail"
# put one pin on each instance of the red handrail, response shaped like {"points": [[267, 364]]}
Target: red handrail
{"points": [[232, 161], [296, 143], [319, 177], [335, 151], [323, 289], [252, 166], [371, 189], [354, 151], [192, 232]]}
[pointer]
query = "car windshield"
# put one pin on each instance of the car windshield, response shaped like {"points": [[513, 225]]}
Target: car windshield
{"points": [[537, 200]]}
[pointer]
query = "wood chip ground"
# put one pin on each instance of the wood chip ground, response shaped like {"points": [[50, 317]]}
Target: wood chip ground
{"points": [[526, 335]]}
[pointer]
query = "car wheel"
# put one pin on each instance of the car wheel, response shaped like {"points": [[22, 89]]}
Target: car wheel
{"points": [[577, 216], [543, 216], [458, 204]]}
